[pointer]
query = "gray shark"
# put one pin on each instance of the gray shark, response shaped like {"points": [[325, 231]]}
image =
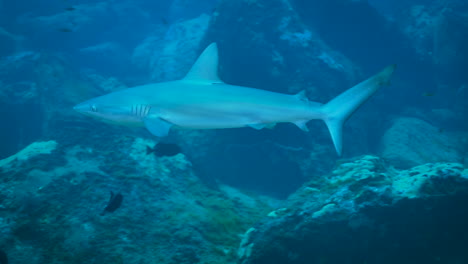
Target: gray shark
{"points": [[202, 101]]}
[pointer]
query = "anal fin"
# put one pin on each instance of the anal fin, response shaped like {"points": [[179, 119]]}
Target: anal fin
{"points": [[257, 126], [302, 125], [261, 126]]}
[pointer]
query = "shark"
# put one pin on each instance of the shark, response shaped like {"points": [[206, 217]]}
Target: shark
{"points": [[201, 100]]}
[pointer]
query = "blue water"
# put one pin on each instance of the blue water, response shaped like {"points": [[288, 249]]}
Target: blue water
{"points": [[55, 54]]}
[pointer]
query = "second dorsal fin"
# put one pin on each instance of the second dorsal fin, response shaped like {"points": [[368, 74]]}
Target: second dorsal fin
{"points": [[302, 96]]}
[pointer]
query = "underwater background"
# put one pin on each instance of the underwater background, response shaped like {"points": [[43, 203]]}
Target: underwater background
{"points": [[77, 190]]}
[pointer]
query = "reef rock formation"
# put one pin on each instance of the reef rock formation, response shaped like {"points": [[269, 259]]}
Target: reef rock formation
{"points": [[8, 42], [168, 53], [278, 51], [411, 141], [366, 212], [53, 194]]}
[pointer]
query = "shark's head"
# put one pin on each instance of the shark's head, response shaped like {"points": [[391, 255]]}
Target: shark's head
{"points": [[100, 108], [90, 108]]}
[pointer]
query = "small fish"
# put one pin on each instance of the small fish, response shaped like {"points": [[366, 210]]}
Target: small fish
{"points": [[3, 257], [65, 30], [428, 94], [115, 202], [164, 150], [70, 9]]}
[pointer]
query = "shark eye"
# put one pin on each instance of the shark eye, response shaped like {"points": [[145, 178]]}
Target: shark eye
{"points": [[93, 108]]}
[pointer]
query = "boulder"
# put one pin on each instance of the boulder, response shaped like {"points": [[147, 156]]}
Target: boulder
{"points": [[168, 53], [411, 141]]}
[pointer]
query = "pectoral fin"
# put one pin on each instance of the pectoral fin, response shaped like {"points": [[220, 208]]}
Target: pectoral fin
{"points": [[157, 126]]}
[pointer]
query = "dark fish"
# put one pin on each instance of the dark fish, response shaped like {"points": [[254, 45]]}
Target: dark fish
{"points": [[428, 94], [3, 257], [71, 8], [115, 202], [164, 21], [164, 150], [65, 30]]}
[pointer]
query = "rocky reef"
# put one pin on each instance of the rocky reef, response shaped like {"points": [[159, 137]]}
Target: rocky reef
{"points": [[367, 212], [53, 198]]}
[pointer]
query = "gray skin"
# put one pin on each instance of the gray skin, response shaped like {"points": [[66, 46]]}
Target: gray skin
{"points": [[202, 101]]}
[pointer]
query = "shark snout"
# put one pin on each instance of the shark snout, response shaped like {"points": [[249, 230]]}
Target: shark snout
{"points": [[85, 107]]}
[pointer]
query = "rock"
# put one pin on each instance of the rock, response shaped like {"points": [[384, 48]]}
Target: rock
{"points": [[19, 66], [111, 54], [435, 27], [450, 38], [19, 86], [410, 141], [89, 33], [32, 150], [169, 53], [34, 89], [8, 42], [278, 52], [367, 212], [53, 194], [437, 31], [83, 17], [187, 9]]}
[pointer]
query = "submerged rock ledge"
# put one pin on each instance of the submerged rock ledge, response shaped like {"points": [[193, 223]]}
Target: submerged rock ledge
{"points": [[366, 212]]}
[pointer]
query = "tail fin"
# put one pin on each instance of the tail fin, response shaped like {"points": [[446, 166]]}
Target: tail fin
{"points": [[338, 110]]}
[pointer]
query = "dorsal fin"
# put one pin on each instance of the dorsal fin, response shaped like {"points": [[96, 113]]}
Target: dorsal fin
{"points": [[206, 66]]}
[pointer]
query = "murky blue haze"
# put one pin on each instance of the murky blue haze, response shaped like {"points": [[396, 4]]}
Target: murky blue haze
{"points": [[74, 189]]}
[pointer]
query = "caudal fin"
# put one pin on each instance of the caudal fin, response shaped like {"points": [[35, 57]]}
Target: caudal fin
{"points": [[338, 110]]}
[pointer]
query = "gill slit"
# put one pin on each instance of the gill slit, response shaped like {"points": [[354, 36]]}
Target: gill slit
{"points": [[140, 110]]}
